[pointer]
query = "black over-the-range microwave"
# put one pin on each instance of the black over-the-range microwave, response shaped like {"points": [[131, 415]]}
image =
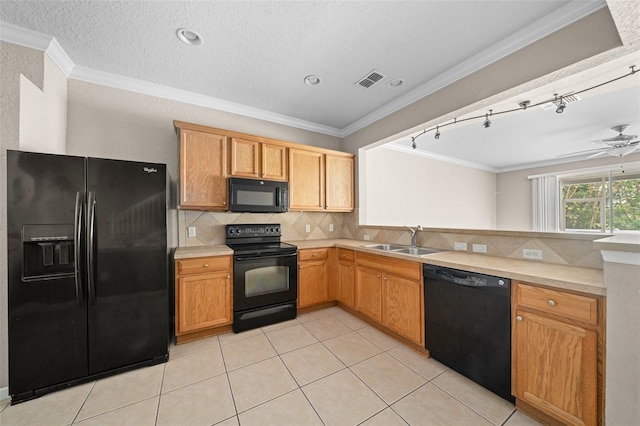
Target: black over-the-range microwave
{"points": [[258, 196]]}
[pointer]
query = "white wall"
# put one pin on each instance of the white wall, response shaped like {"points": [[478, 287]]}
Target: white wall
{"points": [[405, 189], [43, 113]]}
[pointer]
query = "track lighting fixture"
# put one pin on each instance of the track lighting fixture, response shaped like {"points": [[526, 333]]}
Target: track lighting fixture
{"points": [[561, 106], [558, 101], [487, 122]]}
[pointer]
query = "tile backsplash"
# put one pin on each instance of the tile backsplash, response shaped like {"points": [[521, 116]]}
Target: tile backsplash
{"points": [[555, 249]]}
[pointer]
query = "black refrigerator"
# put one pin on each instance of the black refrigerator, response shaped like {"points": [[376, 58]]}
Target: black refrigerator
{"points": [[88, 269]]}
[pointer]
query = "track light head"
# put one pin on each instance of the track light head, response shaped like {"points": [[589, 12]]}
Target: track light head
{"points": [[561, 106], [437, 135], [487, 122], [413, 142]]}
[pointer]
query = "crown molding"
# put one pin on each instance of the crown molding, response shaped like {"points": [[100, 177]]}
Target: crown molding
{"points": [[407, 150], [559, 19], [564, 16], [134, 85]]}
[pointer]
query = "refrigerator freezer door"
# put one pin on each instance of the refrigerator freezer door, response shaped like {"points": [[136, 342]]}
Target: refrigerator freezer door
{"points": [[47, 312], [128, 298]]}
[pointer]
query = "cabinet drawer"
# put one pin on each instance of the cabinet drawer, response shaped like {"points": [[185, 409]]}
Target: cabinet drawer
{"points": [[403, 268], [344, 254], [572, 306], [312, 254], [203, 264]]}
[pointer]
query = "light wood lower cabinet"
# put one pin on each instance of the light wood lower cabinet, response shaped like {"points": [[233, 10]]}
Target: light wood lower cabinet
{"points": [[203, 295], [555, 353], [369, 292], [390, 291], [313, 277], [346, 291], [402, 306]]}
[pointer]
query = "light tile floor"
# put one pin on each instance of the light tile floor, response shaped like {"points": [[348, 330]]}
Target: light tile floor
{"points": [[323, 368]]}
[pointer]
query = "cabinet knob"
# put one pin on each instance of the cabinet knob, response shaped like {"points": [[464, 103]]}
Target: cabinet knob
{"points": [[224, 203], [518, 318], [350, 267], [344, 255], [206, 265], [551, 302], [385, 278], [378, 276], [228, 276], [315, 254], [300, 266]]}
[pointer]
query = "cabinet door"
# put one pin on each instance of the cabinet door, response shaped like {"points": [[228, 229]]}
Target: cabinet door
{"points": [[312, 283], [402, 307], [203, 173], [346, 283], [555, 365], [369, 292], [340, 182], [274, 162], [204, 300], [245, 160], [306, 180]]}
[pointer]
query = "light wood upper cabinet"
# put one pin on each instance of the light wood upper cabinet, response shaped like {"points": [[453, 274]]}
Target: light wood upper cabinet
{"points": [[555, 358], [203, 170], [203, 295], [320, 181], [306, 180], [274, 162], [258, 160], [340, 180]]}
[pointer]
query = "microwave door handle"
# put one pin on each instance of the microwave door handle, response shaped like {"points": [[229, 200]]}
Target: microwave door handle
{"points": [[278, 195]]}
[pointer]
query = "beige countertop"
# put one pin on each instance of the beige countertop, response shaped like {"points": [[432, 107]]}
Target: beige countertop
{"points": [[202, 251], [566, 277], [621, 242]]}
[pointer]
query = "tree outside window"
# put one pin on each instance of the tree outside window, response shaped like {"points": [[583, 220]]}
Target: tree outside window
{"points": [[601, 203]]}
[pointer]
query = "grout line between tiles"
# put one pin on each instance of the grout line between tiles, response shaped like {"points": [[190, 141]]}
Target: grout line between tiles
{"points": [[84, 402]]}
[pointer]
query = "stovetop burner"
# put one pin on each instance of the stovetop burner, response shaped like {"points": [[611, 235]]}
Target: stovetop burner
{"points": [[256, 239]]}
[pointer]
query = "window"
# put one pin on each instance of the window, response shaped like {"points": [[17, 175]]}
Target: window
{"points": [[604, 202]]}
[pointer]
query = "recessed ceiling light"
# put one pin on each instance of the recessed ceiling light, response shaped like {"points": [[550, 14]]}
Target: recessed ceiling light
{"points": [[189, 37], [396, 83], [312, 80]]}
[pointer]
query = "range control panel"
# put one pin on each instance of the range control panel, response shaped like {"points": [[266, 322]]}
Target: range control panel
{"points": [[253, 230]]}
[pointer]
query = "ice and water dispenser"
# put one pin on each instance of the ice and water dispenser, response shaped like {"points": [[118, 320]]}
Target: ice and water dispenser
{"points": [[48, 251]]}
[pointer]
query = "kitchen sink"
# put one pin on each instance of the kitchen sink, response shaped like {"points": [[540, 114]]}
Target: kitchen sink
{"points": [[386, 247], [417, 251]]}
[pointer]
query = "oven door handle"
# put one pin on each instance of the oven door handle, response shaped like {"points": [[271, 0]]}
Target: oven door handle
{"points": [[259, 256]]}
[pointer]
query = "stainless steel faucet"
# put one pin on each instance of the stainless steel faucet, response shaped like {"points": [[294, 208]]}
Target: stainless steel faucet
{"points": [[414, 235]]}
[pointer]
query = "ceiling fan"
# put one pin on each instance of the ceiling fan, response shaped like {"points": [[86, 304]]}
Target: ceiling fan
{"points": [[616, 146]]}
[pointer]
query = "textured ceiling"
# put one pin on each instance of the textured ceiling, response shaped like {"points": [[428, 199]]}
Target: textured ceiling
{"points": [[256, 53]]}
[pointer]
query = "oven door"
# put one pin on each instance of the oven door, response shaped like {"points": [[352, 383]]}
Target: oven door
{"points": [[264, 279]]}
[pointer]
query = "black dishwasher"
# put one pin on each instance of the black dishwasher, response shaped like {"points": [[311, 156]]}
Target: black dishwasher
{"points": [[468, 327]]}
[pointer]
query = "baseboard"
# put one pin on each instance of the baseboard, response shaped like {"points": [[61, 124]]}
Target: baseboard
{"points": [[4, 393]]}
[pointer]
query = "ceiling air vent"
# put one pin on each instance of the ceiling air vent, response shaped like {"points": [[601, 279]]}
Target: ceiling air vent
{"points": [[568, 99], [370, 79]]}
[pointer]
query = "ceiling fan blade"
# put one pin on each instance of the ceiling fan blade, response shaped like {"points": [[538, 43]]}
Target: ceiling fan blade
{"points": [[597, 154], [572, 154]]}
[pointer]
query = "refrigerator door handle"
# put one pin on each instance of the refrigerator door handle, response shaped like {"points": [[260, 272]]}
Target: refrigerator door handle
{"points": [[91, 214], [77, 238]]}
